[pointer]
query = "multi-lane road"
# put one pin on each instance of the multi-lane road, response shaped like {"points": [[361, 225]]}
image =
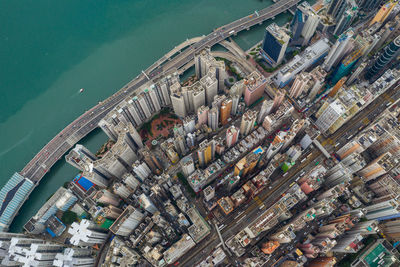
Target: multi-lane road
{"points": [[37, 168], [235, 223], [83, 125]]}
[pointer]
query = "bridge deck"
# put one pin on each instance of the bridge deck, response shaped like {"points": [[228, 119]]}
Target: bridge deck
{"points": [[87, 122]]}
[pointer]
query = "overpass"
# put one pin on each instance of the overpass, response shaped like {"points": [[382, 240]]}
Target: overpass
{"points": [[232, 47], [36, 169], [246, 66], [177, 49], [224, 32]]}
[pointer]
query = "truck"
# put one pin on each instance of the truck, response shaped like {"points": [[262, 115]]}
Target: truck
{"points": [[232, 32]]}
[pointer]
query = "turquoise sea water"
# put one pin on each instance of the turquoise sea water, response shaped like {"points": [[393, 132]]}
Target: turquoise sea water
{"points": [[51, 49]]}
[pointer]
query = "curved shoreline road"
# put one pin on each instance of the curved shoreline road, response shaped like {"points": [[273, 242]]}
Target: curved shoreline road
{"points": [[87, 122]]}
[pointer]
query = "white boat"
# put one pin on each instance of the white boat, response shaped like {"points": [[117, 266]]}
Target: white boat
{"points": [[81, 90]]}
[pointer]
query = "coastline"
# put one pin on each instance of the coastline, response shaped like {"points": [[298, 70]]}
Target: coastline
{"points": [[136, 79]]}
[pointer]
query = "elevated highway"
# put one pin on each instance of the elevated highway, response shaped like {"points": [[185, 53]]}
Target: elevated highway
{"points": [[246, 66], [36, 169], [233, 48], [83, 125], [224, 32]]}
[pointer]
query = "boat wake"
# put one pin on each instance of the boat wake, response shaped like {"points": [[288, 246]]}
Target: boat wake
{"points": [[2, 153]]}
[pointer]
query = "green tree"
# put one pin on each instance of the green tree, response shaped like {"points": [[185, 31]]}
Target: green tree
{"points": [[69, 217]]}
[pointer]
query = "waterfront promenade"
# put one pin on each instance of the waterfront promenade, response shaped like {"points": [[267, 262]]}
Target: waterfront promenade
{"points": [[36, 169]]}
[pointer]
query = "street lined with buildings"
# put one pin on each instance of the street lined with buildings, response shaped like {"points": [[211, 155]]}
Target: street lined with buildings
{"points": [[232, 167]]}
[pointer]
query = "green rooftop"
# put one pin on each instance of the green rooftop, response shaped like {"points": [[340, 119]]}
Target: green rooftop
{"points": [[106, 224]]}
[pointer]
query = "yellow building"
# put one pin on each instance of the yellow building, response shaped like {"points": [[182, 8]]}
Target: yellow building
{"points": [[206, 152], [248, 163], [225, 111], [172, 155], [384, 12], [324, 106], [337, 86]]}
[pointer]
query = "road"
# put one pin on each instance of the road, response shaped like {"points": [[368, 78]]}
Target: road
{"points": [[37, 168], [88, 121], [268, 197]]}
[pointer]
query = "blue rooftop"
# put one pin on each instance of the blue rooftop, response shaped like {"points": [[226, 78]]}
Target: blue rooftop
{"points": [[12, 196]]}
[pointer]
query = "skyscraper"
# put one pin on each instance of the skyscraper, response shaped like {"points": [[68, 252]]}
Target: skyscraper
{"points": [[311, 55], [248, 121], [237, 88], [345, 20], [74, 257], [128, 137], [304, 24], [169, 149], [141, 170], [187, 165], [302, 83], [204, 61], [226, 107], [264, 110], [391, 229], [189, 124], [127, 221], [356, 74], [347, 64], [330, 113], [111, 212], [190, 140], [121, 190], [178, 129], [180, 145], [383, 12], [338, 50], [206, 152], [86, 233], [61, 200], [254, 87], [235, 103], [318, 74], [232, 135], [147, 204], [278, 99], [383, 60], [210, 83], [106, 197], [202, 115], [378, 167], [151, 160], [177, 99], [107, 125], [193, 96], [144, 103], [21, 250], [135, 110], [368, 5], [337, 8], [80, 157], [274, 44], [248, 163], [383, 210], [385, 186], [218, 99], [130, 181], [213, 116]]}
